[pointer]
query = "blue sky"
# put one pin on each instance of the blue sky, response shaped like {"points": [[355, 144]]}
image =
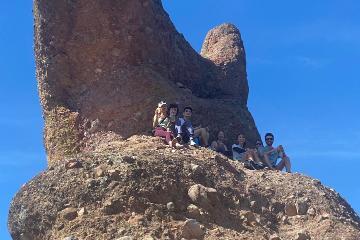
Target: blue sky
{"points": [[303, 70]]}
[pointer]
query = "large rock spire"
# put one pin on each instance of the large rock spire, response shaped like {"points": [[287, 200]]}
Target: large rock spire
{"points": [[103, 66]]}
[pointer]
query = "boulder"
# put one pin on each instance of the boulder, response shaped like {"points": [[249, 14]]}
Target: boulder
{"points": [[191, 229], [204, 197], [290, 209], [69, 213]]}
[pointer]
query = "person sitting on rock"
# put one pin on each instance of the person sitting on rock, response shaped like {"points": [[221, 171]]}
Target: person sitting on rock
{"points": [[185, 131], [163, 121], [219, 145], [241, 153], [172, 113], [203, 135], [270, 155]]}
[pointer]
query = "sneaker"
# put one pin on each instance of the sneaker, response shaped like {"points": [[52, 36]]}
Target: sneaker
{"points": [[178, 138], [192, 143], [178, 145]]}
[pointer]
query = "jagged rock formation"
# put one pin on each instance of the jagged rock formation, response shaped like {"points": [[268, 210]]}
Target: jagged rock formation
{"points": [[224, 47], [104, 65], [141, 189]]}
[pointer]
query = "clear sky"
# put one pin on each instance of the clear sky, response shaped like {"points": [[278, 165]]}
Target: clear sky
{"points": [[303, 70]]}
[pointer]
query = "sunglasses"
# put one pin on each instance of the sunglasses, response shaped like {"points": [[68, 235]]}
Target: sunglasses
{"points": [[187, 110], [258, 144], [270, 139]]}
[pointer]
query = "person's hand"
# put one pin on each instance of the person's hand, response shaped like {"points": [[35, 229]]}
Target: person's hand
{"points": [[280, 148]]}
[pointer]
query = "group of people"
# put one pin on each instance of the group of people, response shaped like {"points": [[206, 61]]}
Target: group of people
{"points": [[178, 131]]}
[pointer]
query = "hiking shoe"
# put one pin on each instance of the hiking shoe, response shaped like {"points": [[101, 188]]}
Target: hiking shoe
{"points": [[192, 143], [178, 145]]}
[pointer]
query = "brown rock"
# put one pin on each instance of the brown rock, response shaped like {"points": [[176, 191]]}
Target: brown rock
{"points": [[274, 237], [290, 209], [69, 213], [249, 217], [303, 235], [223, 46], [112, 206], [73, 163], [99, 72], [114, 174]]}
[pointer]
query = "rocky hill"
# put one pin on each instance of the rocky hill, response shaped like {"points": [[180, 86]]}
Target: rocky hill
{"points": [[142, 189], [102, 66]]}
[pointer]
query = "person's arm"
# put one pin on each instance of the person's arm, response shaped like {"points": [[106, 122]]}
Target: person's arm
{"points": [[267, 162], [155, 119], [213, 145], [270, 151], [178, 125], [190, 128]]}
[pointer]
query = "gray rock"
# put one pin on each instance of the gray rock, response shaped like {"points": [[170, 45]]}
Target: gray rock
{"points": [[70, 238], [192, 230], [203, 197], [170, 206], [125, 238], [193, 211]]}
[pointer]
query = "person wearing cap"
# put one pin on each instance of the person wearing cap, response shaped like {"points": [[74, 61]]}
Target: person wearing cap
{"points": [[164, 121]]}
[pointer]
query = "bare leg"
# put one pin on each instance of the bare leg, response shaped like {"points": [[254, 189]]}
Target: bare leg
{"points": [[267, 162], [203, 134], [285, 163], [255, 156]]}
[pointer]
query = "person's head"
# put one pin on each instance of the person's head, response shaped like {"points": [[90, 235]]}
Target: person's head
{"points": [[269, 139], [258, 144], [162, 108], [241, 139], [173, 109], [187, 112], [221, 136]]}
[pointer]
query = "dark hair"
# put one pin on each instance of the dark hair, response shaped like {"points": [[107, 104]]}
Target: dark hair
{"points": [[269, 135], [173, 105], [188, 107]]}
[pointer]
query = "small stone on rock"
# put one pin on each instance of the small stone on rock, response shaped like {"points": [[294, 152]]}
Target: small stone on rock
{"points": [[170, 206], [69, 213]]}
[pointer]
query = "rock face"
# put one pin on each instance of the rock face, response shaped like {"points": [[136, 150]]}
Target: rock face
{"points": [[226, 202], [104, 65]]}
